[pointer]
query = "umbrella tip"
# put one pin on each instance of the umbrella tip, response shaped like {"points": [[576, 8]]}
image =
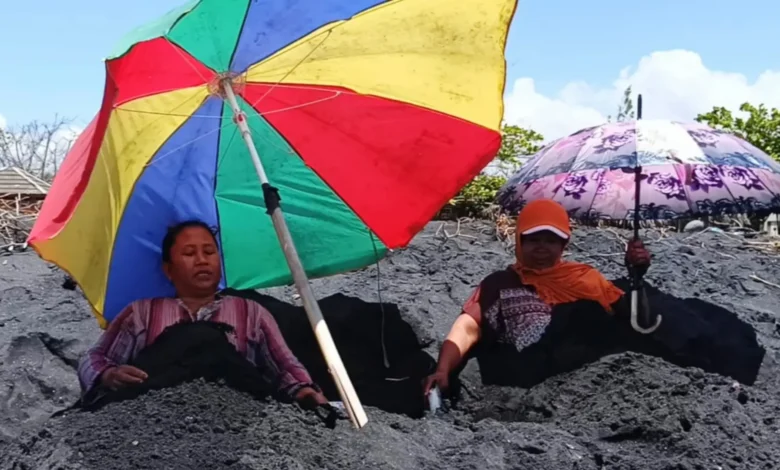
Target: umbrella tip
{"points": [[236, 80]]}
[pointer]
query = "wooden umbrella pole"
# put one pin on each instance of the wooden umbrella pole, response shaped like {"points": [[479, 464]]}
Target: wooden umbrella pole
{"points": [[335, 366]]}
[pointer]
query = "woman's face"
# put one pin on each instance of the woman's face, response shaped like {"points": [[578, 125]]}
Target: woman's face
{"points": [[195, 268], [541, 250]]}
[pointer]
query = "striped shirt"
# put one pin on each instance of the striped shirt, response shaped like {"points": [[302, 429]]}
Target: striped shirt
{"points": [[256, 336]]}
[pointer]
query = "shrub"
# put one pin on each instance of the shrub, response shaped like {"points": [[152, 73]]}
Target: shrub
{"points": [[477, 197]]}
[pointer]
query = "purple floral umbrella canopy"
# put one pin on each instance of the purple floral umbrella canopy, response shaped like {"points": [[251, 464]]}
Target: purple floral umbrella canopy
{"points": [[687, 169]]}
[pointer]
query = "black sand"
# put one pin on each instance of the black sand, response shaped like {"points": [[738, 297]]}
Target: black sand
{"points": [[624, 412]]}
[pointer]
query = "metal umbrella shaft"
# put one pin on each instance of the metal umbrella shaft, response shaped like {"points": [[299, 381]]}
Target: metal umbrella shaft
{"points": [[641, 316], [335, 366]]}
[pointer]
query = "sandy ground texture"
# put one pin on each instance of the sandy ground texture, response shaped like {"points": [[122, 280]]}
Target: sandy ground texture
{"points": [[624, 412]]}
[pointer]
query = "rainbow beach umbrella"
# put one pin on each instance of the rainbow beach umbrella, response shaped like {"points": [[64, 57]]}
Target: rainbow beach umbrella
{"points": [[364, 116]]}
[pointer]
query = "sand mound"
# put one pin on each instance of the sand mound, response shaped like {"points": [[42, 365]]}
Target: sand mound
{"points": [[623, 412]]}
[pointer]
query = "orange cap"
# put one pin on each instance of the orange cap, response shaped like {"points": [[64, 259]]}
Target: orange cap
{"points": [[544, 214]]}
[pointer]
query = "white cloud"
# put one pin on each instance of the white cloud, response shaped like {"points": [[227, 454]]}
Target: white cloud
{"points": [[3, 122], [674, 85]]}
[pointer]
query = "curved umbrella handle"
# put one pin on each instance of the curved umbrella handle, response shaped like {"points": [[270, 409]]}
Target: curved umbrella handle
{"points": [[635, 313]]}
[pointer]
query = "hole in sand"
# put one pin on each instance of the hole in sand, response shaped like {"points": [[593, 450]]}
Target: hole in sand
{"points": [[685, 424]]}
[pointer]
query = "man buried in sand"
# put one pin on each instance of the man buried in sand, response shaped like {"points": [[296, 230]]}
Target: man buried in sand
{"points": [[513, 307], [191, 260]]}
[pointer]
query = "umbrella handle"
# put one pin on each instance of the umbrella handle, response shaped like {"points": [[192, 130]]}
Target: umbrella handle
{"points": [[635, 314], [637, 278]]}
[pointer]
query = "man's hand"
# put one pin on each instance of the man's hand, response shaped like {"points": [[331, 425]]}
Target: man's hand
{"points": [[120, 377], [637, 257]]}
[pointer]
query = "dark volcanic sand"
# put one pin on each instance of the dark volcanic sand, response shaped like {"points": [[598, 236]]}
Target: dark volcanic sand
{"points": [[624, 412]]}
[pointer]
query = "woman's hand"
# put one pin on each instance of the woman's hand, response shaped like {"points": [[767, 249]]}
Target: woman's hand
{"points": [[119, 377], [637, 257], [309, 398]]}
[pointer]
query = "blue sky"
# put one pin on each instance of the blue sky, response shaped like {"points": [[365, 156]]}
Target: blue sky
{"points": [[52, 49]]}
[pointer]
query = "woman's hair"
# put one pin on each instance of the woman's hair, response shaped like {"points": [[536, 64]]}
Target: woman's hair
{"points": [[173, 233]]}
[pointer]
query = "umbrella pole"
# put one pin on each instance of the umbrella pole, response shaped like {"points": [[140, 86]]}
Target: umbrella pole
{"points": [[639, 314], [335, 366]]}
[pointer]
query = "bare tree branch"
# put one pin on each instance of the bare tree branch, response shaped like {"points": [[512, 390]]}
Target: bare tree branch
{"points": [[37, 147]]}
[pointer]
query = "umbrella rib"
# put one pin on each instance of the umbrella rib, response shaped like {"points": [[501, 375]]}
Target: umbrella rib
{"points": [[238, 37], [181, 53], [731, 194], [766, 186], [292, 69], [347, 91], [149, 125], [296, 154], [468, 58], [334, 95], [186, 59], [202, 136], [302, 108], [157, 113], [537, 158], [229, 143], [270, 142], [596, 192]]}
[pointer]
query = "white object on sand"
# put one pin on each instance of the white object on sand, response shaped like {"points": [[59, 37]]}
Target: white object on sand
{"points": [[694, 226], [434, 400], [772, 225]]}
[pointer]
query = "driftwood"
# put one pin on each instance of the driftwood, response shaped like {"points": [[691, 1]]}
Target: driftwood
{"points": [[731, 231], [17, 216]]}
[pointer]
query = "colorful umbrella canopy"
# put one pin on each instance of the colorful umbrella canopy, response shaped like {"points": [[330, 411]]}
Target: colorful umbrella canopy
{"points": [[368, 115], [687, 169]]}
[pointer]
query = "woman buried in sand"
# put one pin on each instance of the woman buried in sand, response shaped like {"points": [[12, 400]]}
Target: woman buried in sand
{"points": [[510, 311], [191, 261]]}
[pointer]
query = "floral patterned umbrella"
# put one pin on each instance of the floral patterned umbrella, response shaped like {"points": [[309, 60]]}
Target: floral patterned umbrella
{"points": [[686, 170], [648, 169]]}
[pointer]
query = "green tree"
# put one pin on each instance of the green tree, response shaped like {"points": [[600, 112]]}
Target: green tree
{"points": [[517, 142], [476, 197], [761, 127], [626, 111]]}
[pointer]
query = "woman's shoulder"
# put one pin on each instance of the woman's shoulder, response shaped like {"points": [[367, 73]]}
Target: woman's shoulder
{"points": [[152, 302], [491, 287], [148, 304], [252, 306], [136, 312], [136, 305], [501, 279]]}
